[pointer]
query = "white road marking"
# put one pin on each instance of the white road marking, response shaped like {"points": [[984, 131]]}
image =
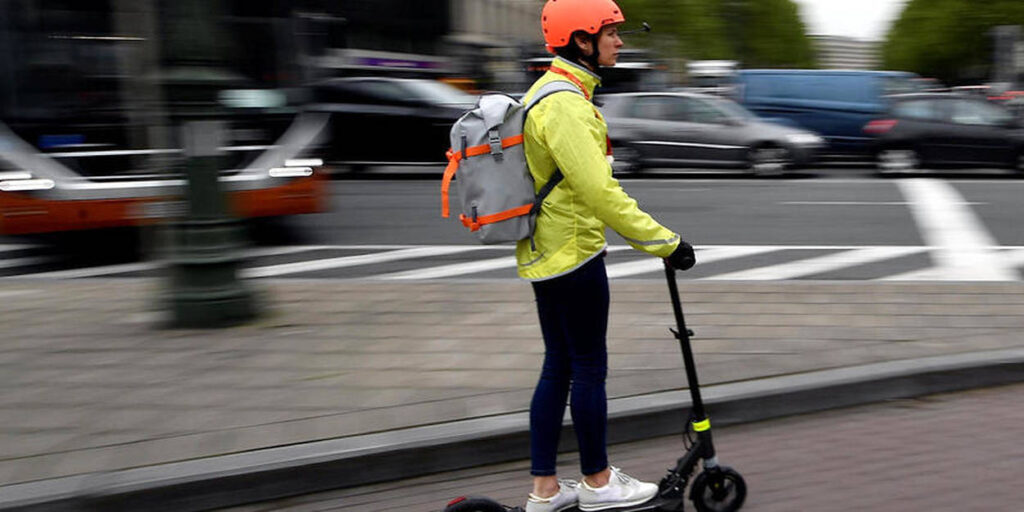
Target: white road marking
{"points": [[961, 246], [458, 269], [924, 274], [1014, 257], [455, 269], [850, 255], [827, 263], [77, 273], [24, 262], [858, 203], [351, 261], [16, 247], [704, 255]]}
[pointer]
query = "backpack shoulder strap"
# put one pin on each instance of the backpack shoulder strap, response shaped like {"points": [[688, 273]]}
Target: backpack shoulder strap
{"points": [[551, 88], [546, 90]]}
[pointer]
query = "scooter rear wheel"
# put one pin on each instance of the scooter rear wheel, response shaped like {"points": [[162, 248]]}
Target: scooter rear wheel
{"points": [[718, 490], [477, 504]]}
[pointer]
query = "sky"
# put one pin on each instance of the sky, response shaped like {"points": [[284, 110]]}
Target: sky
{"points": [[863, 19]]}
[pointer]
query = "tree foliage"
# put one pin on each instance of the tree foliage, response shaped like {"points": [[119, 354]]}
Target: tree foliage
{"points": [[948, 39], [758, 33]]}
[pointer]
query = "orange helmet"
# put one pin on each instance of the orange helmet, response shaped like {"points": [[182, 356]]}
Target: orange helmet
{"points": [[560, 18]]}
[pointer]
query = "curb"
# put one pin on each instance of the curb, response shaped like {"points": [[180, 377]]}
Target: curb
{"points": [[273, 473]]}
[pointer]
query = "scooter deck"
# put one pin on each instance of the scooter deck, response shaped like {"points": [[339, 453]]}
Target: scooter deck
{"points": [[654, 505]]}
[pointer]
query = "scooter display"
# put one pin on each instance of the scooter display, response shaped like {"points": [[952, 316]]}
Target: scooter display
{"points": [[716, 488]]}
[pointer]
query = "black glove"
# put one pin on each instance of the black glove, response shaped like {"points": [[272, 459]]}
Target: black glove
{"points": [[682, 258]]}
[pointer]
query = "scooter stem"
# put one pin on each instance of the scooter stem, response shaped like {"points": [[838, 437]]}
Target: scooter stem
{"points": [[683, 335]]}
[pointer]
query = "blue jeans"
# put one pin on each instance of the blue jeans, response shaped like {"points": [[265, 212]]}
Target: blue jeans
{"points": [[573, 312]]}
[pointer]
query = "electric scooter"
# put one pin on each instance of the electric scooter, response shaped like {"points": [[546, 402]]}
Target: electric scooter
{"points": [[715, 489]]}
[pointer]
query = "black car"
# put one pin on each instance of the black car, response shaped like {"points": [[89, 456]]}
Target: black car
{"points": [[946, 130], [389, 121], [678, 129]]}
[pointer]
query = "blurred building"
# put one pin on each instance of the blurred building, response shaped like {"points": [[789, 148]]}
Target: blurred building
{"points": [[492, 37], [496, 22], [474, 40], [838, 52], [104, 58], [1008, 55], [356, 37]]}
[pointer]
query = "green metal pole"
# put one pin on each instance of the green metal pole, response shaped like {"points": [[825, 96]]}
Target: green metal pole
{"points": [[204, 288]]}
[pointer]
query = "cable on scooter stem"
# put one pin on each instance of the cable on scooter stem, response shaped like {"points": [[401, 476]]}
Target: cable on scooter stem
{"points": [[683, 335]]}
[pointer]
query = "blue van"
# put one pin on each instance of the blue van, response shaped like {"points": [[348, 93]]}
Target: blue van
{"points": [[834, 103]]}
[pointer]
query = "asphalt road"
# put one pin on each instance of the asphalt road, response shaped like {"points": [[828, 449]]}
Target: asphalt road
{"points": [[845, 224], [816, 211], [955, 452], [970, 226]]}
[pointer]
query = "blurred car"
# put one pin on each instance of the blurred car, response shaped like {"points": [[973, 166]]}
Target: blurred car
{"points": [[947, 130], [677, 129], [389, 121], [834, 103], [1011, 99]]}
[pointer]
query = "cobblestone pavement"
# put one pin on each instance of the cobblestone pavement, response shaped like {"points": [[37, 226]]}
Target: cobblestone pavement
{"points": [[942, 453], [91, 385]]}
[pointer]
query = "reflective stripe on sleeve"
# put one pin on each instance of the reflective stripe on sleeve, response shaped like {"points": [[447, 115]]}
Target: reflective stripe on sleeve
{"points": [[651, 242]]}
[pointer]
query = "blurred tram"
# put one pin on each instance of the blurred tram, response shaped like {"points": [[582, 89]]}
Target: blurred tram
{"points": [[85, 137]]}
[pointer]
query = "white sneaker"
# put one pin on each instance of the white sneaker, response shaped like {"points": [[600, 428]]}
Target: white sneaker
{"points": [[565, 499], [622, 491]]}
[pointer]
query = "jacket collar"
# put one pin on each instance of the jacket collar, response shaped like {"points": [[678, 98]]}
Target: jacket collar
{"points": [[589, 79]]}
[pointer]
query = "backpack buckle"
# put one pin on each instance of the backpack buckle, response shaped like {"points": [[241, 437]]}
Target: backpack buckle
{"points": [[494, 139], [473, 225]]}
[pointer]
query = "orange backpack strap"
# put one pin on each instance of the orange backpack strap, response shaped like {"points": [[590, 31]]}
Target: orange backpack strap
{"points": [[475, 224], [572, 78], [446, 182], [453, 165]]}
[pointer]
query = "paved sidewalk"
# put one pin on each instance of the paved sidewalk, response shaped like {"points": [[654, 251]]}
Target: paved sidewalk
{"points": [[925, 454], [91, 386]]}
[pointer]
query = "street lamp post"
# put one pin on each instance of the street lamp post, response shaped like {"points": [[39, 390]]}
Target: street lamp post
{"points": [[204, 289]]}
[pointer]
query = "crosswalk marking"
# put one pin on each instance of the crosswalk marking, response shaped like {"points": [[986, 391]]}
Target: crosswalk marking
{"points": [[1014, 257], [351, 261], [104, 270], [797, 262], [858, 203], [924, 274], [820, 264], [1010, 258], [961, 246], [458, 269], [454, 269], [708, 255], [124, 268], [15, 247], [24, 262]]}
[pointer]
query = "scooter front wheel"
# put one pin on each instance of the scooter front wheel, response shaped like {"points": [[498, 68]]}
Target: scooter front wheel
{"points": [[721, 489]]}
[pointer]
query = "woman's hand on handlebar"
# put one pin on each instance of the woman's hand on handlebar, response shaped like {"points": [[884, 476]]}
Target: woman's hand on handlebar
{"points": [[682, 258]]}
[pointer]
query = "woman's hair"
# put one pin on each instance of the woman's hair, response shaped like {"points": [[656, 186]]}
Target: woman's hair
{"points": [[572, 52]]}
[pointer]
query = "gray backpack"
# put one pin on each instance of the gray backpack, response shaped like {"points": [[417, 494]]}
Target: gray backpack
{"points": [[494, 185]]}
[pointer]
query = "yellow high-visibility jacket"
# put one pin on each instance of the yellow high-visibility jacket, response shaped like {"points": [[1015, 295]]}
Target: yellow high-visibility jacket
{"points": [[566, 131]]}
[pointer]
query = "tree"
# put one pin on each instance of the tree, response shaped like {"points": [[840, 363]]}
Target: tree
{"points": [[773, 35], [948, 39], [765, 33]]}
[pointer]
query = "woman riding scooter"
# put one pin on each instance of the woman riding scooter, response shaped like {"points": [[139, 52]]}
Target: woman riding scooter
{"points": [[564, 260]]}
